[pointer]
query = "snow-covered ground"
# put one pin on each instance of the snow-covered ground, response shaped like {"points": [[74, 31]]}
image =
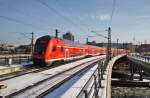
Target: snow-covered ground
{"points": [[73, 87], [24, 81], [22, 64], [14, 67]]}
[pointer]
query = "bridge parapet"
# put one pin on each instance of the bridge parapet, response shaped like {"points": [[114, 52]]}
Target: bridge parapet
{"points": [[143, 61], [108, 72], [141, 58]]}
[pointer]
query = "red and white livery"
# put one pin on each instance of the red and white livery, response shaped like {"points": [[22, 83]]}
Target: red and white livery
{"points": [[49, 49]]}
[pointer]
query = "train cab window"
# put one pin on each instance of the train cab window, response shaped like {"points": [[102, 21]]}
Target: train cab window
{"points": [[62, 49], [41, 45], [54, 49]]}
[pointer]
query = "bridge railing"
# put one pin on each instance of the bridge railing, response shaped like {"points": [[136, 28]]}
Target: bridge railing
{"points": [[141, 57], [94, 83], [99, 83], [7, 61]]}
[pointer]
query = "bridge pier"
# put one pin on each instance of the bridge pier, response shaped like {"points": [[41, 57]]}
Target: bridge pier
{"points": [[140, 73], [131, 71], [86, 94], [134, 68]]}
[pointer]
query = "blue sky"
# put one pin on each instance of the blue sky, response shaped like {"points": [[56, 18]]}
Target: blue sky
{"points": [[131, 19]]}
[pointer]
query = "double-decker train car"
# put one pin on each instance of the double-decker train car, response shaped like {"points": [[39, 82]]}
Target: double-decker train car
{"points": [[50, 49]]}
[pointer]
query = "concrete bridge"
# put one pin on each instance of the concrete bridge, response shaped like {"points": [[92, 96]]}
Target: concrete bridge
{"points": [[143, 61], [121, 70], [125, 70]]}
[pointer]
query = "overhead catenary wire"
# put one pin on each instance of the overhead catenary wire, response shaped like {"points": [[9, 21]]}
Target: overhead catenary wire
{"points": [[24, 13], [112, 12], [83, 26], [25, 35], [61, 15], [100, 34], [18, 21]]}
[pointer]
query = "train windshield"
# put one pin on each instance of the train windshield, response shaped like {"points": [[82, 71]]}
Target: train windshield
{"points": [[41, 45]]}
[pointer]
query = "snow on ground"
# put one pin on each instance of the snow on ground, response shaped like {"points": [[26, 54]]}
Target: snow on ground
{"points": [[102, 91], [5, 69], [22, 64], [72, 88], [21, 82]]}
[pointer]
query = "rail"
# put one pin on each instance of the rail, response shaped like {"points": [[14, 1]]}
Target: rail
{"points": [[99, 84], [43, 82]]}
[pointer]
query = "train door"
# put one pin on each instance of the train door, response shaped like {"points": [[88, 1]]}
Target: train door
{"points": [[66, 53]]}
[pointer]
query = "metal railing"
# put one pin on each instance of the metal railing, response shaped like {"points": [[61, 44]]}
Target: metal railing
{"points": [[141, 57], [7, 61], [96, 80]]}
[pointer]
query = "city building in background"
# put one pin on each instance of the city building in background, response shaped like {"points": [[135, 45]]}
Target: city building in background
{"points": [[113, 45], [68, 36], [6, 48], [11, 49], [25, 49]]}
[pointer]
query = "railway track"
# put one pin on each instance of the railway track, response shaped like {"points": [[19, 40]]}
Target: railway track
{"points": [[78, 72], [49, 83], [20, 73], [29, 69]]}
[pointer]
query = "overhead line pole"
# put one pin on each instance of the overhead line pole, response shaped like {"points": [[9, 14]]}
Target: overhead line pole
{"points": [[117, 45], [32, 42], [108, 55], [109, 43], [56, 33], [31, 39], [87, 40]]}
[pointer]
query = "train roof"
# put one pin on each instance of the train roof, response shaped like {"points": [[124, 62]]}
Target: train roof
{"points": [[46, 37], [74, 44], [67, 42], [77, 44]]}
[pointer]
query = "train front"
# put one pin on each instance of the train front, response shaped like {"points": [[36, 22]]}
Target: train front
{"points": [[40, 48]]}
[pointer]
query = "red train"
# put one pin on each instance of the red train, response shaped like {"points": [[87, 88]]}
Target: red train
{"points": [[49, 49]]}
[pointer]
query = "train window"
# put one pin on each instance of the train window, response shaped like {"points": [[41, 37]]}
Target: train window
{"points": [[54, 49], [62, 49], [40, 46]]}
